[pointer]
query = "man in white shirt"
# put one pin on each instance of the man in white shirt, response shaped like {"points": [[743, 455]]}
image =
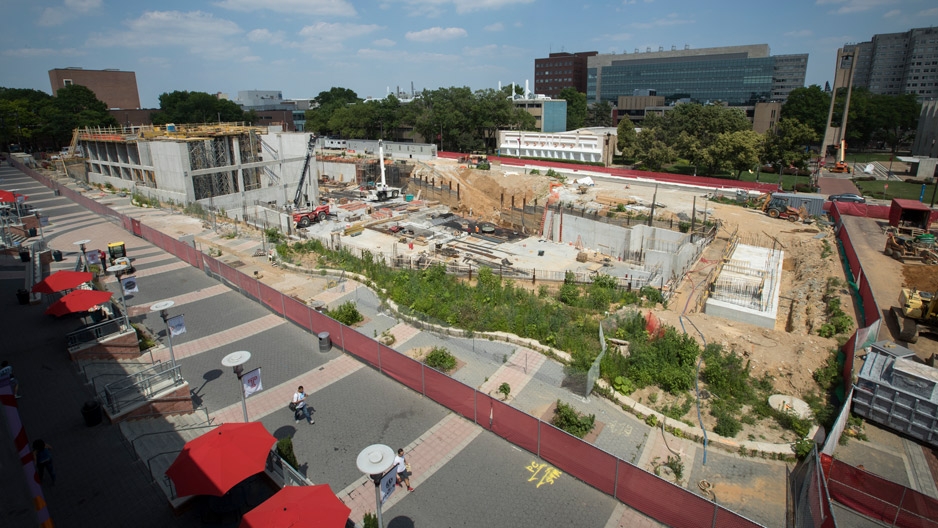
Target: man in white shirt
{"points": [[299, 398], [402, 474]]}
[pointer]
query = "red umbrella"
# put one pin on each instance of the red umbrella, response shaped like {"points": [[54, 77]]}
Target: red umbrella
{"points": [[298, 507], [213, 463], [62, 280], [9, 196], [78, 301]]}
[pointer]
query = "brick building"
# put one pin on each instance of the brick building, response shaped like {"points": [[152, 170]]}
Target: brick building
{"points": [[117, 89]]}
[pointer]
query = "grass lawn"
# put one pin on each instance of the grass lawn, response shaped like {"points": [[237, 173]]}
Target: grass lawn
{"points": [[788, 180], [866, 157], [910, 191]]}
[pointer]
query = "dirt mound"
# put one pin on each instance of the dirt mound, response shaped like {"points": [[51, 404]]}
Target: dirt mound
{"points": [[920, 277]]}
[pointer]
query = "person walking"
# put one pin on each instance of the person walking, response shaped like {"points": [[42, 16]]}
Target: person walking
{"points": [[7, 370], [403, 469], [42, 455], [302, 408]]}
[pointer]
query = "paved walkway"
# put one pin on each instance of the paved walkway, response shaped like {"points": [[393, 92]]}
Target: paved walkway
{"points": [[441, 446]]}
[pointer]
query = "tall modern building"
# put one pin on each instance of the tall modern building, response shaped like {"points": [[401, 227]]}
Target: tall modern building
{"points": [[117, 89], [735, 75], [898, 63], [561, 70]]}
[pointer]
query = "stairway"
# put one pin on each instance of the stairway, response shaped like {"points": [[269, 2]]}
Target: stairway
{"points": [[157, 441]]}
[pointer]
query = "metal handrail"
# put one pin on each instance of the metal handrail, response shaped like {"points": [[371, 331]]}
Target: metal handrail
{"points": [[93, 332], [141, 389], [159, 368], [133, 443]]}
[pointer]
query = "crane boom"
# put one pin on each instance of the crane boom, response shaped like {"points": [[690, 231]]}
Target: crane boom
{"points": [[299, 188]]}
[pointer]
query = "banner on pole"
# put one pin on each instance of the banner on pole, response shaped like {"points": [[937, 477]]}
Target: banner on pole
{"points": [[252, 382], [176, 325], [130, 285], [93, 257]]}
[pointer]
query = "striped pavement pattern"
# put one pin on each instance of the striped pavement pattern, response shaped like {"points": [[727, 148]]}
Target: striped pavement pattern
{"points": [[221, 339]]}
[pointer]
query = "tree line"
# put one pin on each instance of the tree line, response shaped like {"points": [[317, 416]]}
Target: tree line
{"points": [[32, 120]]}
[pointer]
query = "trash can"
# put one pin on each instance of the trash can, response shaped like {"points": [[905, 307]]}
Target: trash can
{"points": [[56, 192], [325, 342], [24, 256], [91, 411], [56, 255], [32, 231], [22, 296]]}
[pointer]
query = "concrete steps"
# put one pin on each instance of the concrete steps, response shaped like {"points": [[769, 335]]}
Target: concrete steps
{"points": [[98, 373], [157, 441]]}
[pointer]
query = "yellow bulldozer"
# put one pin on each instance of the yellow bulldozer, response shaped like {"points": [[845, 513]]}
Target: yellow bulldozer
{"points": [[917, 309]]}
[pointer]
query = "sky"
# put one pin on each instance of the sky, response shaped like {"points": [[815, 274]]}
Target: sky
{"points": [[304, 47]]}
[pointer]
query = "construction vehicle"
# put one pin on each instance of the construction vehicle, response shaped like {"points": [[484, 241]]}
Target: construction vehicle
{"points": [[840, 166], [777, 207], [903, 247], [382, 192], [916, 309], [306, 216]]}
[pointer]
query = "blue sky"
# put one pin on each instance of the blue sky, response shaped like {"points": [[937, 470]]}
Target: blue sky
{"points": [[303, 47]]}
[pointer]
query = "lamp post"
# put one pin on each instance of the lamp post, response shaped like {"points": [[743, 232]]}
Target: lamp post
{"points": [[779, 164], [161, 307], [42, 236], [375, 461], [236, 361], [81, 247], [118, 270]]}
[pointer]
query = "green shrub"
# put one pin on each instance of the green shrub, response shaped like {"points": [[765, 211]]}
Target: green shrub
{"points": [[370, 520], [802, 447], [567, 419], [623, 385], [347, 313], [725, 374], [285, 450], [651, 420], [440, 359], [504, 389], [652, 295], [273, 235]]}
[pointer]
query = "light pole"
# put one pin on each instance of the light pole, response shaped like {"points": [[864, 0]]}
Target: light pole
{"points": [[117, 270], [236, 360], [161, 307], [81, 247], [375, 461]]}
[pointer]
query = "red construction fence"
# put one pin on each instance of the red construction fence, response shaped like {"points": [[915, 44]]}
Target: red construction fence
{"points": [[645, 492]]}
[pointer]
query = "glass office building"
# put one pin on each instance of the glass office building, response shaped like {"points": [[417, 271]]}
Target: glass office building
{"points": [[738, 75]]}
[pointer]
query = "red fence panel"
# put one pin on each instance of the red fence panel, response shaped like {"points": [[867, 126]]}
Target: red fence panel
{"points": [[361, 346], [194, 257], [404, 369], [213, 266], [337, 332], [661, 500], [578, 458], [250, 286], [856, 500], [728, 519], [850, 252], [297, 312], [230, 274], [513, 425], [270, 297], [446, 391], [918, 510]]}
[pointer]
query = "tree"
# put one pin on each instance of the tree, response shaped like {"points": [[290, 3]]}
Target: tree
{"points": [[896, 117], [73, 106], [788, 143], [691, 129], [196, 107], [652, 151], [317, 119], [739, 151], [576, 107], [599, 115], [808, 105], [627, 139]]}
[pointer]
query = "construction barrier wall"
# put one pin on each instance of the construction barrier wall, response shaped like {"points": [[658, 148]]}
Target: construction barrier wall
{"points": [[645, 492]]}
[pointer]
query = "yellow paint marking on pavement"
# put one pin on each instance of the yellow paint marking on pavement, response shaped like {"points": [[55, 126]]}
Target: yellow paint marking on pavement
{"points": [[543, 473]]}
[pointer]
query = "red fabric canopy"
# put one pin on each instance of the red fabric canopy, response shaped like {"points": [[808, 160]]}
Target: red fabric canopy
{"points": [[62, 280], [9, 196], [213, 463], [299, 507], [78, 301]]}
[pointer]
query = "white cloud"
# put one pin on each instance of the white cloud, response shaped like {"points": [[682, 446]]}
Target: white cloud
{"points": [[436, 34], [384, 43], [328, 37], [498, 26], [798, 33], [488, 50], [293, 7], [83, 5], [42, 52], [467, 6], [617, 37], [855, 6], [926, 13], [435, 8], [670, 20], [199, 33], [158, 62], [52, 16], [265, 35], [890, 14], [406, 57]]}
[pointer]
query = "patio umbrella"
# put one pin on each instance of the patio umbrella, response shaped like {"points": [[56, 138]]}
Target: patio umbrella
{"points": [[9, 196], [213, 463], [78, 301], [62, 280], [299, 507]]}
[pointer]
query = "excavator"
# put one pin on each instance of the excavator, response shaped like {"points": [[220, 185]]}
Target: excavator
{"points": [[916, 309], [840, 167], [382, 191], [777, 207]]}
